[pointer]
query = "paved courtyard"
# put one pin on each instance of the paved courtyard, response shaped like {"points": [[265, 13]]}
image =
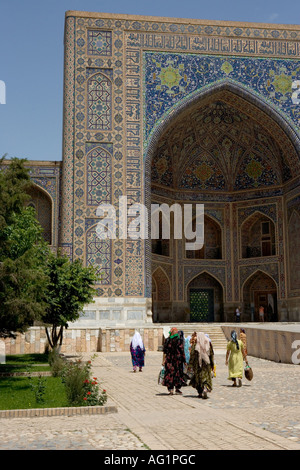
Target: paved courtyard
{"points": [[261, 415]]}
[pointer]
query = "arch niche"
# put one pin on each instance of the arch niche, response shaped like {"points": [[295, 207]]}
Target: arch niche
{"points": [[258, 237], [205, 298], [42, 202], [161, 296], [260, 289], [223, 147]]}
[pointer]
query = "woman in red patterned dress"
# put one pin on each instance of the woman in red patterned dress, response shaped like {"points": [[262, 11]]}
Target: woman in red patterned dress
{"points": [[173, 361]]}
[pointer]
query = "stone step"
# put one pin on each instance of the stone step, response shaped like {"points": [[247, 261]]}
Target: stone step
{"points": [[214, 331]]}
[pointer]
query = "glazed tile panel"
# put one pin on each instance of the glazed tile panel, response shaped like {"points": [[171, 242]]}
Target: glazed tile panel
{"points": [[169, 78], [123, 76]]}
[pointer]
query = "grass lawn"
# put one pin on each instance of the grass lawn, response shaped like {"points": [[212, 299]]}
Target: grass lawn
{"points": [[25, 362], [16, 393]]}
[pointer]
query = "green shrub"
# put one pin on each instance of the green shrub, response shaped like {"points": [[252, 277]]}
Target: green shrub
{"points": [[57, 363], [81, 389], [74, 376], [92, 395], [38, 388]]}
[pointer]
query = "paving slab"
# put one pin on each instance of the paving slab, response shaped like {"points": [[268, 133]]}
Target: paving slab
{"points": [[263, 414]]}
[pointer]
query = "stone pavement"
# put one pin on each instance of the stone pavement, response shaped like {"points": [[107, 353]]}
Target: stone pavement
{"points": [[261, 415]]}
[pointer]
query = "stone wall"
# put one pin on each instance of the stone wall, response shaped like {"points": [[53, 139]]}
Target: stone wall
{"points": [[278, 345], [84, 340], [112, 339]]}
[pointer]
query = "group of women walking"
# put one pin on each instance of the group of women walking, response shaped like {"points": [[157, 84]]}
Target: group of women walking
{"points": [[177, 364], [192, 359]]}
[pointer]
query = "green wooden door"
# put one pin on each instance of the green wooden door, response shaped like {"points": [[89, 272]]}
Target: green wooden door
{"points": [[202, 305]]}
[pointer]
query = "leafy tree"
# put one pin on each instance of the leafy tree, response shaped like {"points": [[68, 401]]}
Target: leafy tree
{"points": [[70, 287], [14, 182], [23, 253]]}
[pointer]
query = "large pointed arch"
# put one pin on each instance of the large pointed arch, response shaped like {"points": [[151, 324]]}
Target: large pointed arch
{"points": [[236, 91], [208, 91]]}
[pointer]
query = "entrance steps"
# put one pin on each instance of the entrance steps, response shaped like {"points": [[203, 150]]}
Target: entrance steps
{"points": [[214, 331]]}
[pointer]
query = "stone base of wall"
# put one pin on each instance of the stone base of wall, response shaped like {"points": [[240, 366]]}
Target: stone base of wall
{"points": [[112, 311], [84, 340], [274, 344]]}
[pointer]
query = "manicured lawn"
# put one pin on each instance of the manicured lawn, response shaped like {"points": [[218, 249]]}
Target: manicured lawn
{"points": [[16, 393], [25, 362]]}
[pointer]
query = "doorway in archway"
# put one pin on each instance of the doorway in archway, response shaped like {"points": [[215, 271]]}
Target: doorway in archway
{"points": [[202, 305], [260, 291], [205, 298]]}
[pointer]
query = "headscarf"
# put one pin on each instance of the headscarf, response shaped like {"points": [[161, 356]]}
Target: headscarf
{"points": [[202, 346], [187, 349], [173, 333], [207, 336], [193, 338], [234, 338], [137, 341], [181, 335]]}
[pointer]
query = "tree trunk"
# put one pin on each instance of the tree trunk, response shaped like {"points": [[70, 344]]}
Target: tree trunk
{"points": [[56, 339]]}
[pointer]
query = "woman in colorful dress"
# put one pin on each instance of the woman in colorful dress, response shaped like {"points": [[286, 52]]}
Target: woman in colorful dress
{"points": [[234, 359], [138, 352], [173, 362], [202, 363]]}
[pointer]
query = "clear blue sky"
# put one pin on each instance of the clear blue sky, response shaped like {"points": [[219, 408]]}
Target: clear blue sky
{"points": [[31, 52]]}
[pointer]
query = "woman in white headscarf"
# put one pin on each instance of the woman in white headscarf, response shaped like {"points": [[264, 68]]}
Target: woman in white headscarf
{"points": [[138, 352], [202, 363]]}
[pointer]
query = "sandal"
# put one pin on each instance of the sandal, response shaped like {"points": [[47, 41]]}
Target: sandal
{"points": [[171, 392], [178, 392]]}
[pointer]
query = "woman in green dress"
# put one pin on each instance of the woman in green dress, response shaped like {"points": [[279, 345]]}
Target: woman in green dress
{"points": [[234, 359], [202, 363]]}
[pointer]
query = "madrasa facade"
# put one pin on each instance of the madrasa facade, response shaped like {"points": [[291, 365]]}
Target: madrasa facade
{"points": [[179, 111]]}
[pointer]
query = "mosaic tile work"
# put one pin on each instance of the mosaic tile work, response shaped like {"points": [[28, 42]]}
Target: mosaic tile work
{"points": [[223, 143], [99, 102], [99, 42], [124, 78], [98, 254], [99, 184], [67, 207], [171, 77]]}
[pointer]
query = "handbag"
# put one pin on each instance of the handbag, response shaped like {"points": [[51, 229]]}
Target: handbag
{"points": [[188, 371], [161, 376], [248, 372]]}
